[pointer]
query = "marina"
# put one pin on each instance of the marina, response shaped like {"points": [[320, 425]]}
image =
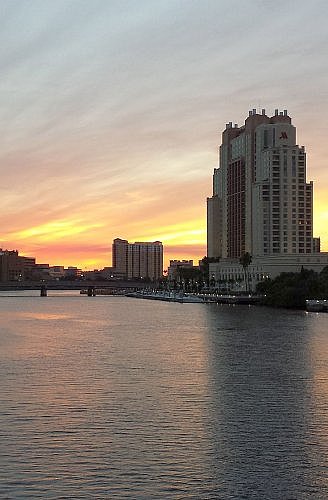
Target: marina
{"points": [[182, 297], [166, 296]]}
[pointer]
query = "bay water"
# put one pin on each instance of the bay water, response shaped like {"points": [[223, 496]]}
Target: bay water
{"points": [[115, 397]]}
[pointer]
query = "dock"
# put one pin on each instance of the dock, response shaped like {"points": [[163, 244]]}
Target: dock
{"points": [[320, 305], [171, 296]]}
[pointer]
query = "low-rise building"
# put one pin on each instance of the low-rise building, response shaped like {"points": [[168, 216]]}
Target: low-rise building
{"points": [[230, 273], [176, 265], [72, 272], [14, 267], [41, 272]]}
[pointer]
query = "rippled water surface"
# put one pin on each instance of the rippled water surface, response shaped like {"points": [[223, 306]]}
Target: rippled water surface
{"points": [[113, 397]]}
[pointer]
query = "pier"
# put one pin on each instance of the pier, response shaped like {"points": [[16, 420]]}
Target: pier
{"points": [[320, 305], [172, 296]]}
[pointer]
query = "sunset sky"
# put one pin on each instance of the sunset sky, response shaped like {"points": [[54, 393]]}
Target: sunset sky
{"points": [[112, 112]]}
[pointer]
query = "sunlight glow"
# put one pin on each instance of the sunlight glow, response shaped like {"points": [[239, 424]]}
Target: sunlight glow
{"points": [[191, 232], [53, 231]]}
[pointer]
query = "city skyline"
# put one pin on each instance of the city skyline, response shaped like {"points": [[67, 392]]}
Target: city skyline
{"points": [[112, 114]]}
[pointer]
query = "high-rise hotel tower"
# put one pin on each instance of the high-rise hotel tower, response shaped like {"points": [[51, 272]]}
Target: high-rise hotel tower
{"points": [[262, 203]]}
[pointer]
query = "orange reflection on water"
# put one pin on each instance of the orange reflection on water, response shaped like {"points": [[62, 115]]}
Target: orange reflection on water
{"points": [[44, 316]]}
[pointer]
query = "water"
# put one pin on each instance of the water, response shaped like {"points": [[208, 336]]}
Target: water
{"points": [[110, 397]]}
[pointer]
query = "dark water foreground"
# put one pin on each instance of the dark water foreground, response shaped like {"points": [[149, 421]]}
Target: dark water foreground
{"points": [[111, 397]]}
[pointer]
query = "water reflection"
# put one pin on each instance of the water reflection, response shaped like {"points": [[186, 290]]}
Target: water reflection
{"points": [[119, 398], [262, 381], [45, 316]]}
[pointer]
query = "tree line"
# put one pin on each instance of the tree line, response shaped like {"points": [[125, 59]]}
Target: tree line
{"points": [[292, 289]]}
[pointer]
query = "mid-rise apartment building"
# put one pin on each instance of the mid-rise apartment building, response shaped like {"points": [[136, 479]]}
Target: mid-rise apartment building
{"points": [[139, 259]]}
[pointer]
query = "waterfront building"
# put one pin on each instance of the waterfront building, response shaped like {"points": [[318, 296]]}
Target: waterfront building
{"points": [[176, 265], [111, 273], [14, 267], [72, 272], [316, 245], [214, 225], [57, 272], [262, 203], [120, 256], [229, 273], [138, 260], [41, 272]]}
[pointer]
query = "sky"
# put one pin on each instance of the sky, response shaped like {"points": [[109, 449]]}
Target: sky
{"points": [[112, 112]]}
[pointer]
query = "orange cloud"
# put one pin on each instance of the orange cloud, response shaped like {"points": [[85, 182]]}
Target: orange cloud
{"points": [[52, 231]]}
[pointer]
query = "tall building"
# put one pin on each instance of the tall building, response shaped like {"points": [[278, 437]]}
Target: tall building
{"points": [[138, 260], [120, 256], [261, 203]]}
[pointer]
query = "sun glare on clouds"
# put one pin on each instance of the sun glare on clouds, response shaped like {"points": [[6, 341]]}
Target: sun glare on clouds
{"points": [[52, 231], [112, 112]]}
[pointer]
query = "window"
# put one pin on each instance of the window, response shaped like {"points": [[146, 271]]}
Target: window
{"points": [[293, 166], [265, 139]]}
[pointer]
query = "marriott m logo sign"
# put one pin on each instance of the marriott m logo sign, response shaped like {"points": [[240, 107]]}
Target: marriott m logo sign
{"points": [[283, 135]]}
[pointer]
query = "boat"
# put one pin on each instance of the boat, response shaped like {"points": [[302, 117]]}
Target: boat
{"points": [[192, 299], [183, 298], [320, 305]]}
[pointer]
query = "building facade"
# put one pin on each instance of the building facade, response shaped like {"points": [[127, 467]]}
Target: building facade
{"points": [[138, 260], [228, 273], [262, 202], [14, 267], [176, 265]]}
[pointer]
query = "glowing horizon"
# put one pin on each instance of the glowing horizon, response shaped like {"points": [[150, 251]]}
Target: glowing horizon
{"points": [[112, 113]]}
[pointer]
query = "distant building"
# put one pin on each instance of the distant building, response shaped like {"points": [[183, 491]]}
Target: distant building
{"points": [[214, 226], [175, 265], [41, 272], [14, 267], [57, 272], [138, 260], [111, 273], [72, 272], [316, 245], [107, 273], [120, 256]]}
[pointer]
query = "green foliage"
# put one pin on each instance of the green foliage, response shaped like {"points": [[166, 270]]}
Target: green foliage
{"points": [[204, 266], [292, 289], [188, 273], [323, 279], [245, 260]]}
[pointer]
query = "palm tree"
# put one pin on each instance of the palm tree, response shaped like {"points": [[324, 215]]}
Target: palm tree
{"points": [[204, 267], [245, 261]]}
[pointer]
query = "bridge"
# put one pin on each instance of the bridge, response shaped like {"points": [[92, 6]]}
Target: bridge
{"points": [[72, 285]]}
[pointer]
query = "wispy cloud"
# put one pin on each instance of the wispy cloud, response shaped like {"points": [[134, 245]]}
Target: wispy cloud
{"points": [[111, 112]]}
